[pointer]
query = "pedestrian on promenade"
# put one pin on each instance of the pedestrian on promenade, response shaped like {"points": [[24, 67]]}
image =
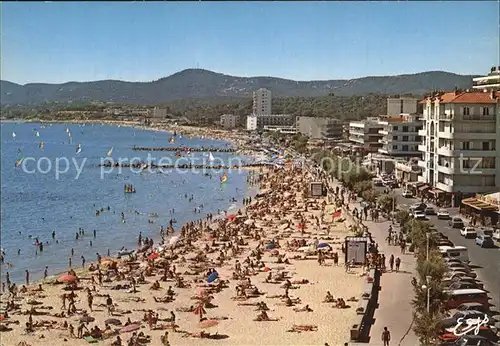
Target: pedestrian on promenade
{"points": [[398, 263], [27, 278], [386, 336], [391, 262]]}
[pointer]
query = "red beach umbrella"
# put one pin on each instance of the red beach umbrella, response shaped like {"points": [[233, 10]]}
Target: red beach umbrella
{"points": [[67, 278], [153, 256], [199, 310], [208, 323], [231, 216]]}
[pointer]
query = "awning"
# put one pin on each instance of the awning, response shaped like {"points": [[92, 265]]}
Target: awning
{"points": [[423, 188], [436, 191]]}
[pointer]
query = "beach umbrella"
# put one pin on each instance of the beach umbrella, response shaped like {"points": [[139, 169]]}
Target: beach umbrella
{"points": [[199, 310], [67, 278], [231, 216], [267, 269], [113, 321], [212, 277], [130, 328], [208, 323], [275, 252], [300, 226], [153, 256], [322, 245]]}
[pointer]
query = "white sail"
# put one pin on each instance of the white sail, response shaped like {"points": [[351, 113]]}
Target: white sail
{"points": [[210, 157], [37, 134], [79, 149], [13, 135], [110, 152]]}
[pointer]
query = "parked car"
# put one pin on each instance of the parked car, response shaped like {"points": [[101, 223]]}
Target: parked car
{"points": [[448, 260], [488, 231], [475, 340], [459, 285], [484, 240], [418, 206], [430, 211], [444, 242], [459, 266], [496, 234], [452, 321], [456, 222], [449, 282], [407, 194], [419, 215], [468, 232], [460, 274], [443, 214], [472, 306]]}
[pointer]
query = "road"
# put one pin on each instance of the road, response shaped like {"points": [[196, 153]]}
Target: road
{"points": [[487, 260]]}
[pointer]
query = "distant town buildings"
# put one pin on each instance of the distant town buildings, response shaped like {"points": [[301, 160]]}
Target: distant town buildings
{"points": [[320, 128], [262, 102], [400, 136], [229, 121], [258, 122], [489, 82], [402, 105], [365, 135], [159, 112], [460, 143]]}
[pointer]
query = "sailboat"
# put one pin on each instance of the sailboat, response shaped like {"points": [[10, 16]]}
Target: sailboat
{"points": [[223, 179], [18, 162], [67, 130], [37, 134], [78, 149], [110, 152], [13, 135], [41, 145], [210, 157]]}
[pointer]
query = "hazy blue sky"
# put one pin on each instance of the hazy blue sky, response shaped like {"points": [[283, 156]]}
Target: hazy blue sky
{"points": [[139, 41]]}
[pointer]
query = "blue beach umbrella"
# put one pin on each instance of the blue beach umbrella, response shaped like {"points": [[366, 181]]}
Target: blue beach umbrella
{"points": [[212, 277], [270, 246], [322, 245]]}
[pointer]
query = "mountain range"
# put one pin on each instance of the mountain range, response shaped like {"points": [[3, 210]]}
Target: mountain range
{"points": [[204, 84]]}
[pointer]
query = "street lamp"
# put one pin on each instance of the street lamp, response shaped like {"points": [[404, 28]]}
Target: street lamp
{"points": [[393, 206], [428, 235], [428, 288]]}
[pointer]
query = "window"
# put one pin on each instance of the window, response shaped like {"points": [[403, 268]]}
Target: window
{"points": [[465, 145], [486, 145], [395, 128], [486, 111], [405, 128], [405, 148], [489, 180], [405, 138], [466, 111], [394, 138], [395, 147]]}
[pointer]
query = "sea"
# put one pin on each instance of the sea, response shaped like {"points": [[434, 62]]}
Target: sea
{"points": [[57, 186]]}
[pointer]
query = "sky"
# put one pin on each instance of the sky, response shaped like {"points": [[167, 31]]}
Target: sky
{"points": [[55, 42]]}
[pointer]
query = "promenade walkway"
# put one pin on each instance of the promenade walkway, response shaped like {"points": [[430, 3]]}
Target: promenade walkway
{"points": [[394, 310]]}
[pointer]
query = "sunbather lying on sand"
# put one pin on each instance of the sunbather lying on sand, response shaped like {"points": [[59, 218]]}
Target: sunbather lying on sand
{"points": [[305, 308], [297, 328], [184, 309], [167, 299]]}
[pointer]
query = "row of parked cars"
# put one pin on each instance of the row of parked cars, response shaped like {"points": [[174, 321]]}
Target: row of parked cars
{"points": [[467, 298]]}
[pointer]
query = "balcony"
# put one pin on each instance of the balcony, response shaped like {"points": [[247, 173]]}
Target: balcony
{"points": [[422, 133], [422, 148], [421, 179], [468, 135], [445, 151], [445, 170], [444, 187], [383, 132], [477, 117], [421, 163]]}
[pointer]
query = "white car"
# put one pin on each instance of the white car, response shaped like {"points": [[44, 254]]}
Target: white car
{"points": [[468, 232], [419, 215], [407, 194], [443, 214]]}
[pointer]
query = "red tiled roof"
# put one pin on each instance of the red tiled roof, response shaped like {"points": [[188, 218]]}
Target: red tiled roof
{"points": [[469, 97]]}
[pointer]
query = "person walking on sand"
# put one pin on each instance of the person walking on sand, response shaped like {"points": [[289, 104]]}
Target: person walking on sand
{"points": [[386, 336], [398, 263], [391, 262], [27, 277]]}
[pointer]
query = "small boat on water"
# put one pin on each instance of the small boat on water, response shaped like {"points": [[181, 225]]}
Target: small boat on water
{"points": [[129, 188]]}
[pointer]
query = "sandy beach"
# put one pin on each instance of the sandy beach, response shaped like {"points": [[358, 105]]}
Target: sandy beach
{"points": [[274, 239]]}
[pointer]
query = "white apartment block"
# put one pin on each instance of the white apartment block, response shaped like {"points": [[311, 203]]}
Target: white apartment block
{"points": [[400, 136], [320, 128], [461, 142], [365, 134], [489, 82], [262, 102], [258, 122], [402, 105], [229, 121]]}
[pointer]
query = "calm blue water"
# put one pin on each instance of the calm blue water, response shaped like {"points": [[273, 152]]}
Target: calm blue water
{"points": [[37, 203]]}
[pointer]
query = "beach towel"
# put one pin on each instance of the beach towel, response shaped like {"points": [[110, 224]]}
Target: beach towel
{"points": [[90, 339]]}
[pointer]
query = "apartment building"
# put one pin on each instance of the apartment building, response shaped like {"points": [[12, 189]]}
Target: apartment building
{"points": [[400, 136], [461, 143], [159, 112], [258, 122], [262, 102], [489, 82], [402, 105], [320, 127], [229, 121], [365, 134]]}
